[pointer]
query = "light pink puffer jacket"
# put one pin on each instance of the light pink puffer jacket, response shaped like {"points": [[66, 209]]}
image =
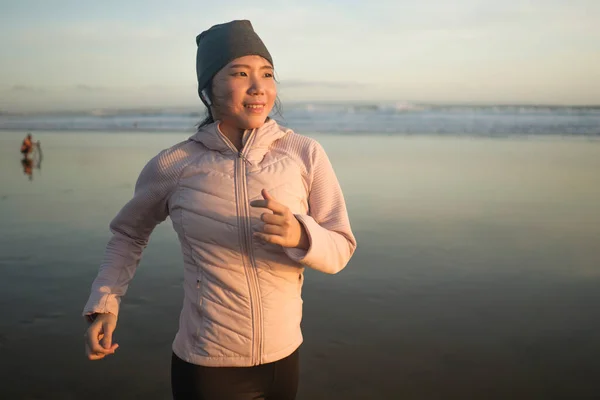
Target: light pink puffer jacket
{"points": [[242, 303]]}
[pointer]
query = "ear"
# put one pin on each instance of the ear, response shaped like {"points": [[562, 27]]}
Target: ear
{"points": [[205, 98]]}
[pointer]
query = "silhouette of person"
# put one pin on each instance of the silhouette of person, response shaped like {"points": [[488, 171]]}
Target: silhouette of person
{"points": [[32, 156], [27, 167], [27, 145]]}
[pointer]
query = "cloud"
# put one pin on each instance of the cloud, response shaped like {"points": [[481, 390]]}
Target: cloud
{"points": [[320, 84], [30, 89], [88, 88], [25, 89], [85, 97], [101, 30]]}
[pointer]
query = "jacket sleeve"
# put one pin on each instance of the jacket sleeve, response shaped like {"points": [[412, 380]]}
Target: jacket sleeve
{"points": [[332, 242], [131, 229]]}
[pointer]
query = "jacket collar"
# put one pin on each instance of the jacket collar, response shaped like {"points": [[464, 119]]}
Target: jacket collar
{"points": [[256, 142]]}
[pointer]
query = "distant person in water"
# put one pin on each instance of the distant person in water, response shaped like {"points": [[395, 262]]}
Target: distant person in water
{"points": [[30, 158], [27, 145]]}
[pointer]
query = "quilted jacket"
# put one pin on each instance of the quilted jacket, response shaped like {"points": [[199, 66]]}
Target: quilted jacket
{"points": [[242, 298]]}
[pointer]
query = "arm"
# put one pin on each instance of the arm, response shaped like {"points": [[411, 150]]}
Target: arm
{"points": [[131, 229], [331, 242]]}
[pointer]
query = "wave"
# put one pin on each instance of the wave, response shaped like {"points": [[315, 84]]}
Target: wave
{"points": [[388, 118], [405, 107], [358, 107]]}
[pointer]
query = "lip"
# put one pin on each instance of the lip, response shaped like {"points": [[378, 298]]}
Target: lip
{"points": [[257, 107]]}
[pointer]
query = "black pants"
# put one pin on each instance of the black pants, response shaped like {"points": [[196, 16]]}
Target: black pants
{"points": [[273, 381]]}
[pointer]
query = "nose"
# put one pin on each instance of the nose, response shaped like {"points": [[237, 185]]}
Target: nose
{"points": [[257, 87]]}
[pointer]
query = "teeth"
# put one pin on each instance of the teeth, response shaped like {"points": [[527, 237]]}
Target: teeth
{"points": [[254, 106]]}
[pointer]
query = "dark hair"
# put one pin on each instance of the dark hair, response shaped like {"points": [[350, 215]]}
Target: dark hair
{"points": [[209, 119]]}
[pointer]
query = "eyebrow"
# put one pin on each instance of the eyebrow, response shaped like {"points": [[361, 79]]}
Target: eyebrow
{"points": [[247, 66]]}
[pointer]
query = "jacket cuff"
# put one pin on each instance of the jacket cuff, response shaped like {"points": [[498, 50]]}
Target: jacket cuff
{"points": [[101, 303], [313, 229]]}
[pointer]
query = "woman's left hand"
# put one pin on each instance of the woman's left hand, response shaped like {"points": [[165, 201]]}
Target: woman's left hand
{"points": [[281, 227]]}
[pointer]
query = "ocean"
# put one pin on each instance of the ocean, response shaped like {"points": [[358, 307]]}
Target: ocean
{"points": [[476, 276], [347, 118]]}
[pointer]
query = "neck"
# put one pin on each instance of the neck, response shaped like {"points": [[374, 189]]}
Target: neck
{"points": [[233, 133]]}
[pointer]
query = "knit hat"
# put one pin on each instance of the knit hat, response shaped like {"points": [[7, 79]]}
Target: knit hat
{"points": [[222, 44]]}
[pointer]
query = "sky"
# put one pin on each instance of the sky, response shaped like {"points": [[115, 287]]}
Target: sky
{"points": [[110, 54]]}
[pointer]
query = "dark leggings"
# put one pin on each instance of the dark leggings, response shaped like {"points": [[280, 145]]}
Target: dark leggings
{"points": [[274, 381]]}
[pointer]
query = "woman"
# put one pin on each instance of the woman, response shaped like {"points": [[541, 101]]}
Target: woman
{"points": [[252, 204]]}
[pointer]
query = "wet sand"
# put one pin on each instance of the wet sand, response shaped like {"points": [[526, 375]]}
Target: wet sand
{"points": [[477, 274]]}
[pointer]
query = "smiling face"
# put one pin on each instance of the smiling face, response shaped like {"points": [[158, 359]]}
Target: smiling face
{"points": [[243, 93]]}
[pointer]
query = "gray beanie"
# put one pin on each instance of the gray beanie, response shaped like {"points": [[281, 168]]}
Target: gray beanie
{"points": [[222, 44]]}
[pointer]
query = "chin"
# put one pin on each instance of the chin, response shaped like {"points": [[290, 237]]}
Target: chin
{"points": [[253, 123]]}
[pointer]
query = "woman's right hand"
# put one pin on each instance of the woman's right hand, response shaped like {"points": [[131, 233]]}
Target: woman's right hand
{"points": [[98, 337]]}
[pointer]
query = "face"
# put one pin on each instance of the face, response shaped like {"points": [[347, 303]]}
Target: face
{"points": [[244, 93]]}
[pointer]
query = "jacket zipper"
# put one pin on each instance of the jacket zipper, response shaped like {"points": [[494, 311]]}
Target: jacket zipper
{"points": [[247, 253]]}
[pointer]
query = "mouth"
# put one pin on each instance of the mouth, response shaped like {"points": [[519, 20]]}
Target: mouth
{"points": [[255, 108]]}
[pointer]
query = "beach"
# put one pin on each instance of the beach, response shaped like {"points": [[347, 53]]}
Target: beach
{"points": [[476, 276]]}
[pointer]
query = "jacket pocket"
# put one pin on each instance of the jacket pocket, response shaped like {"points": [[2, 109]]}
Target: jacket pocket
{"points": [[199, 317], [199, 287]]}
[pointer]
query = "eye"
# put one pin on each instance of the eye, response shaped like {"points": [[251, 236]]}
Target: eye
{"points": [[241, 73], [268, 75]]}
